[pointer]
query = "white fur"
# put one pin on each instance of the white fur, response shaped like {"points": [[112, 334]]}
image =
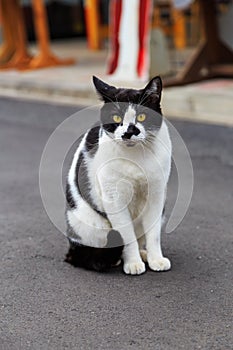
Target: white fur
{"points": [[129, 184], [129, 116], [71, 175]]}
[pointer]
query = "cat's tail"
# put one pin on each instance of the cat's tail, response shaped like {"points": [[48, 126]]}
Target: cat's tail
{"points": [[98, 259]]}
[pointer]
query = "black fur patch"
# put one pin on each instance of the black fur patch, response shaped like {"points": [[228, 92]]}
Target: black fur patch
{"points": [[92, 140], [117, 100], [107, 111], [164, 209], [98, 259], [152, 122], [83, 185], [69, 197], [132, 130], [149, 97]]}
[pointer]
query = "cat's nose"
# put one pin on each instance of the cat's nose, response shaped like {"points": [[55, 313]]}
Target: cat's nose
{"points": [[132, 130]]}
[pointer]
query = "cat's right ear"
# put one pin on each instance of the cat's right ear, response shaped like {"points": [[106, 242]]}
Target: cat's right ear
{"points": [[105, 91]]}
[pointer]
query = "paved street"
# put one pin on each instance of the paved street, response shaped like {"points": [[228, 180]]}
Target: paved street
{"points": [[47, 304]]}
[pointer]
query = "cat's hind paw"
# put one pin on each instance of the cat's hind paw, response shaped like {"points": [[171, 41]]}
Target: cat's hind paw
{"points": [[159, 264], [134, 268]]}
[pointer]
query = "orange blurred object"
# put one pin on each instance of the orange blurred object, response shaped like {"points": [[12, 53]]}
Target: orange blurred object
{"points": [[96, 31], [179, 29], [92, 24], [14, 53], [177, 26]]}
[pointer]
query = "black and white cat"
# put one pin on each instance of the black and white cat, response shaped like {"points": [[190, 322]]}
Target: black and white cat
{"points": [[116, 186]]}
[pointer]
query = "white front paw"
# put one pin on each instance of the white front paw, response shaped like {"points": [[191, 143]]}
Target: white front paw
{"points": [[134, 268], [159, 264]]}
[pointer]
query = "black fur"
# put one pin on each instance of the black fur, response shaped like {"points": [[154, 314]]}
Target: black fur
{"points": [[98, 259], [83, 184], [149, 96], [92, 140], [69, 198], [132, 130], [164, 209], [117, 100]]}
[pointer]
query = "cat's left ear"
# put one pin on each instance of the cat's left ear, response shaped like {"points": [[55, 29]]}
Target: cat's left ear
{"points": [[154, 89]]}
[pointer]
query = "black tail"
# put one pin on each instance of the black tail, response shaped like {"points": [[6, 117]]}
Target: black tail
{"points": [[98, 259]]}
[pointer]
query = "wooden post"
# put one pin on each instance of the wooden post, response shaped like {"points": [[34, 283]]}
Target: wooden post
{"points": [[212, 58], [179, 28], [8, 46], [15, 23], [91, 8], [45, 58]]}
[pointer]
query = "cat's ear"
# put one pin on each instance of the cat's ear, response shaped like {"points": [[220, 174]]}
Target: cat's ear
{"points": [[154, 89], [105, 91]]}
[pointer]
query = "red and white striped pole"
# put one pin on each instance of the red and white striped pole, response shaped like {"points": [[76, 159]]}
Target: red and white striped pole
{"points": [[129, 30]]}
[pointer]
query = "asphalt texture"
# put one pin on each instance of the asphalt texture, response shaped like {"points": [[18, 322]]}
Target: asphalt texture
{"points": [[47, 304]]}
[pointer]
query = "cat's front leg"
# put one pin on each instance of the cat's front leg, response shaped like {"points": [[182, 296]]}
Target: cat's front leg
{"points": [[121, 221], [132, 262], [152, 225]]}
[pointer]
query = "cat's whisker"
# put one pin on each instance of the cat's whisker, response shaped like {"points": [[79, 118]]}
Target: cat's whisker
{"points": [[143, 99], [118, 106], [109, 98]]}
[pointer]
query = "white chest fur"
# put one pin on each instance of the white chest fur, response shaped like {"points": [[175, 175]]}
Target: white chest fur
{"points": [[130, 173]]}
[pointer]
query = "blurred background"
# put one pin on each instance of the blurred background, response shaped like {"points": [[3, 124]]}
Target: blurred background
{"points": [[184, 41]]}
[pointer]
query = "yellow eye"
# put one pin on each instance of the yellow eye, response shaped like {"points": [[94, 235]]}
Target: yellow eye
{"points": [[117, 119], [141, 117]]}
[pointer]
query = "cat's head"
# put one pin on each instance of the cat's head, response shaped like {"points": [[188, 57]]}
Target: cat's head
{"points": [[128, 115]]}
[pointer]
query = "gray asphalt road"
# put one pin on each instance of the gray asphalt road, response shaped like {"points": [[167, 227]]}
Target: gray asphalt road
{"points": [[47, 304]]}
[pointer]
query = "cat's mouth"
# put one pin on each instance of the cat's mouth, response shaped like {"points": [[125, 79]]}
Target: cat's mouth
{"points": [[129, 143]]}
